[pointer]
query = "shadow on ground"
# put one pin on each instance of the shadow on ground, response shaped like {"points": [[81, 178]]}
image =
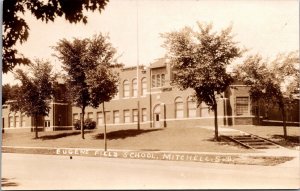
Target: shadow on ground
{"points": [[122, 134], [5, 182], [290, 141], [62, 135]]}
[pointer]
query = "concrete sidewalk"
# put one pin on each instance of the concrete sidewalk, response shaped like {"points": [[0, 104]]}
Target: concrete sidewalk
{"points": [[275, 152], [279, 153]]}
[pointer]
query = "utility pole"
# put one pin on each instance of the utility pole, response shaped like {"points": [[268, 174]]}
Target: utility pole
{"points": [[137, 65], [104, 120]]}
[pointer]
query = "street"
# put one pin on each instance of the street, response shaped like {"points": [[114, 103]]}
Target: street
{"points": [[26, 171]]}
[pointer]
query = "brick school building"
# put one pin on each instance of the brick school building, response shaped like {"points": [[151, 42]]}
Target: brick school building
{"points": [[146, 99]]}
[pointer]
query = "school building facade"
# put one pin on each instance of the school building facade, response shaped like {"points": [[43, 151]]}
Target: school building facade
{"points": [[147, 99]]}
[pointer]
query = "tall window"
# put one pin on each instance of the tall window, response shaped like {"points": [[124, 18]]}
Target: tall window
{"points": [[242, 105], [75, 117], [158, 80], [162, 79], [17, 121], [178, 107], [126, 116], [144, 86], [23, 121], [134, 88], [204, 110], [99, 118], [153, 81], [116, 117], [126, 88], [191, 104], [144, 115], [135, 115], [11, 121]]}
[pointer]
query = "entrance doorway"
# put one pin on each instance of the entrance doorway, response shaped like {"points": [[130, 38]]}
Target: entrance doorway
{"points": [[156, 116]]}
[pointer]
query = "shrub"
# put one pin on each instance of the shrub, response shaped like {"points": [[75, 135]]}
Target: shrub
{"points": [[88, 124]]}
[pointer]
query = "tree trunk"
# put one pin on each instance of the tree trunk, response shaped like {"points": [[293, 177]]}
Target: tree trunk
{"points": [[284, 121], [104, 120], [216, 121], [82, 122], [36, 127], [258, 113]]}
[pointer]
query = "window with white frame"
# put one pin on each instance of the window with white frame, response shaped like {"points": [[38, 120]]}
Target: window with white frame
{"points": [[126, 88], [126, 114], [134, 88], [135, 115], [144, 86], [17, 121], [153, 81], [192, 106], [116, 117], [144, 115], [242, 106], [75, 117], [178, 107], [11, 121], [158, 80], [162, 79], [23, 123], [99, 118]]}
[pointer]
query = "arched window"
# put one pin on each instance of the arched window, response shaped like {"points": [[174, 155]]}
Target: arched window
{"points": [[134, 88], [178, 107], [126, 88], [191, 107], [144, 86]]}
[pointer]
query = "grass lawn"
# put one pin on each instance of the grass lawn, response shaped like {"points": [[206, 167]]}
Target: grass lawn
{"points": [[275, 133], [168, 139]]}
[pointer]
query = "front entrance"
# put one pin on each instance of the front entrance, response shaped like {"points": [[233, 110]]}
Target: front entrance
{"points": [[156, 116]]}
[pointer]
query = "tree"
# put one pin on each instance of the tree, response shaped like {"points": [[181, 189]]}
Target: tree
{"points": [[88, 64], [16, 29], [102, 88], [35, 91], [274, 82], [9, 92], [200, 59]]}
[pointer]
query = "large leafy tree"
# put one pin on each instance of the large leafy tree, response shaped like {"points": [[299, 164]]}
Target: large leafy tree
{"points": [[102, 88], [273, 83], [35, 91], [16, 29], [200, 59], [88, 63], [9, 92]]}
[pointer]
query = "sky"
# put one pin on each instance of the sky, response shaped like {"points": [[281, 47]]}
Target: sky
{"points": [[267, 27]]}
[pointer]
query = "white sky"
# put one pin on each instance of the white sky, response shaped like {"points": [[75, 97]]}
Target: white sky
{"points": [[265, 27]]}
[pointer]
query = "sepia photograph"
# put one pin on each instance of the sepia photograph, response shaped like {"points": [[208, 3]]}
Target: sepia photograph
{"points": [[150, 94]]}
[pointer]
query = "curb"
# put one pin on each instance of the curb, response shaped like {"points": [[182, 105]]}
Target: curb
{"points": [[225, 158]]}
